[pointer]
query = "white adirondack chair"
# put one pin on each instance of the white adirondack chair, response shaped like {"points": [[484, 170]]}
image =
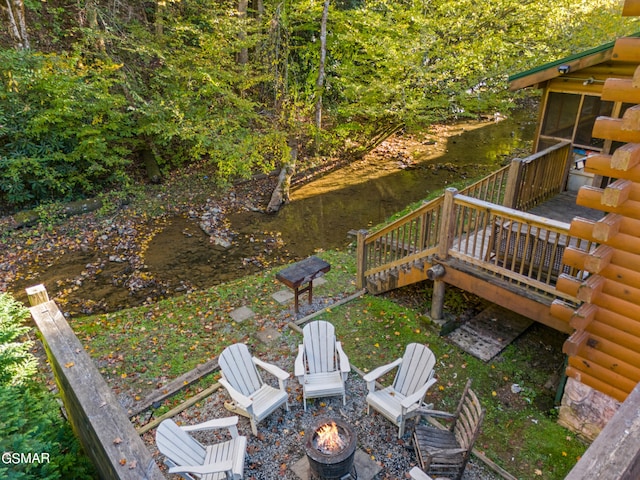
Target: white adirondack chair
{"points": [[252, 397], [187, 457], [321, 366], [414, 377]]}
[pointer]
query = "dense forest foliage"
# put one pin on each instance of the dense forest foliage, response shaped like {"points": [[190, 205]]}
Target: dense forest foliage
{"points": [[95, 92]]}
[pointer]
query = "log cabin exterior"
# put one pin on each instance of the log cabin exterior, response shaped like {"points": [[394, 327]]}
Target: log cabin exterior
{"points": [[580, 276]]}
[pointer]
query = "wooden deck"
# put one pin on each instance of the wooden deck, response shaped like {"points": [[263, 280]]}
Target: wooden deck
{"points": [[563, 208]]}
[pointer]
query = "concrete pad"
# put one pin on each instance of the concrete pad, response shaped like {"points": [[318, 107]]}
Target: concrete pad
{"points": [[283, 296], [268, 335], [366, 469], [241, 314]]}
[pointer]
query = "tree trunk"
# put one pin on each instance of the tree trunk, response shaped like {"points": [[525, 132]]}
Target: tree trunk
{"points": [[161, 6], [18, 24], [243, 55], [280, 195], [323, 58]]}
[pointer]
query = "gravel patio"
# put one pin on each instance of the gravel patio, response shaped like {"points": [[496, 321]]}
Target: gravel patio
{"points": [[280, 441]]}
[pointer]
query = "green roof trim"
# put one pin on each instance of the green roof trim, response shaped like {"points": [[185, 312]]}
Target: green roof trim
{"points": [[576, 56]]}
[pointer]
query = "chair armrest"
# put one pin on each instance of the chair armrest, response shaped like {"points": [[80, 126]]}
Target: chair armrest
{"points": [[299, 370], [373, 375], [225, 466], [434, 413], [272, 369], [417, 474], [225, 422], [345, 366], [244, 401], [418, 395]]}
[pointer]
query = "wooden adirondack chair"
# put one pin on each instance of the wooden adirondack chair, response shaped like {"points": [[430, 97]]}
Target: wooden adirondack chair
{"points": [[321, 366], [446, 452], [251, 396], [187, 457], [414, 377]]}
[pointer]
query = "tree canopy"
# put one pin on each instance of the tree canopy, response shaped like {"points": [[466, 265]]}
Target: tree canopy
{"points": [[91, 93]]}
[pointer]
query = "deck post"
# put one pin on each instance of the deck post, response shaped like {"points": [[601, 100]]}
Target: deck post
{"points": [[446, 234], [361, 261], [513, 181]]}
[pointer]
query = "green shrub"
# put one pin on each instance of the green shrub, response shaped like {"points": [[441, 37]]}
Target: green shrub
{"points": [[35, 440]]}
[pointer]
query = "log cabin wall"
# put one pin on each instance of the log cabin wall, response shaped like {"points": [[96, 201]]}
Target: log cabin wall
{"points": [[603, 352]]}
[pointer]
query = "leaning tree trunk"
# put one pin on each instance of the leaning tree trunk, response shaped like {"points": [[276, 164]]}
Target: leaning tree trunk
{"points": [[323, 59], [280, 194], [18, 24]]}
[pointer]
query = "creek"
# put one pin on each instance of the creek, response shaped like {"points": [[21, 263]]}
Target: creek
{"points": [[180, 257]]}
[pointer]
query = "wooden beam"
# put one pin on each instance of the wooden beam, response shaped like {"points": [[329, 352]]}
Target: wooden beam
{"points": [[592, 197], [611, 129], [571, 286], [607, 227], [591, 288], [620, 90], [614, 342], [583, 316], [587, 378], [598, 371], [93, 410], [597, 260], [617, 320], [572, 344], [636, 77], [601, 165], [631, 8], [609, 362], [618, 192], [627, 49], [614, 455], [506, 298], [623, 241], [631, 118], [625, 157]]}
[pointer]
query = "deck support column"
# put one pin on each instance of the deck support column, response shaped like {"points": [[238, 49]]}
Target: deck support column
{"points": [[446, 234]]}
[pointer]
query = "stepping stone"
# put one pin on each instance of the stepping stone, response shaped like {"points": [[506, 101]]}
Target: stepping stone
{"points": [[319, 281], [241, 314], [366, 468], [268, 335], [283, 296], [489, 332]]}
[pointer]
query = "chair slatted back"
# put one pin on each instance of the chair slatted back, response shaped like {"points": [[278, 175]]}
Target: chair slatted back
{"points": [[416, 369], [319, 341], [469, 416], [239, 370], [178, 446]]}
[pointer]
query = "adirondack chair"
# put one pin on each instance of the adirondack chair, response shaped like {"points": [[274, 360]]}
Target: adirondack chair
{"points": [[446, 452], [251, 396], [401, 399], [187, 457], [321, 366]]}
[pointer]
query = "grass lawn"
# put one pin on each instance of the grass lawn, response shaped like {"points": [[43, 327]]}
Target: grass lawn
{"points": [[141, 349]]}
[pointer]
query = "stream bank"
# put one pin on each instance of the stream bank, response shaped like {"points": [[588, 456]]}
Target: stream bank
{"points": [[185, 236]]}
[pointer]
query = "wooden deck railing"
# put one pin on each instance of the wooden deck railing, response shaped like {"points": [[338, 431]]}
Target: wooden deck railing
{"points": [[538, 177], [516, 246], [523, 184]]}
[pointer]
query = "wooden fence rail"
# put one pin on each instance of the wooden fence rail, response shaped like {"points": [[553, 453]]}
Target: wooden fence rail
{"points": [[100, 423]]}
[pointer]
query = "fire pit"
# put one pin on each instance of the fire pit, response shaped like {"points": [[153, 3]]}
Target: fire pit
{"points": [[331, 448]]}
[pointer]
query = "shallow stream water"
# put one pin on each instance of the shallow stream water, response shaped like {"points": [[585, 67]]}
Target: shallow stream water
{"points": [[180, 256]]}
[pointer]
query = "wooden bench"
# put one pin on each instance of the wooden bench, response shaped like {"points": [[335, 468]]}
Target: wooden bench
{"points": [[301, 273]]}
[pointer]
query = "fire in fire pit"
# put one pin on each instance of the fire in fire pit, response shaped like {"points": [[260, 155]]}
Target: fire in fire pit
{"points": [[331, 448]]}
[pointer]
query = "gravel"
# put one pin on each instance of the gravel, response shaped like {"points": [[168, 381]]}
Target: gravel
{"points": [[280, 440]]}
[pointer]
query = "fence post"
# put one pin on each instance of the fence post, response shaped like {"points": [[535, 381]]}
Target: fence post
{"points": [[447, 229], [361, 258], [513, 182]]}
